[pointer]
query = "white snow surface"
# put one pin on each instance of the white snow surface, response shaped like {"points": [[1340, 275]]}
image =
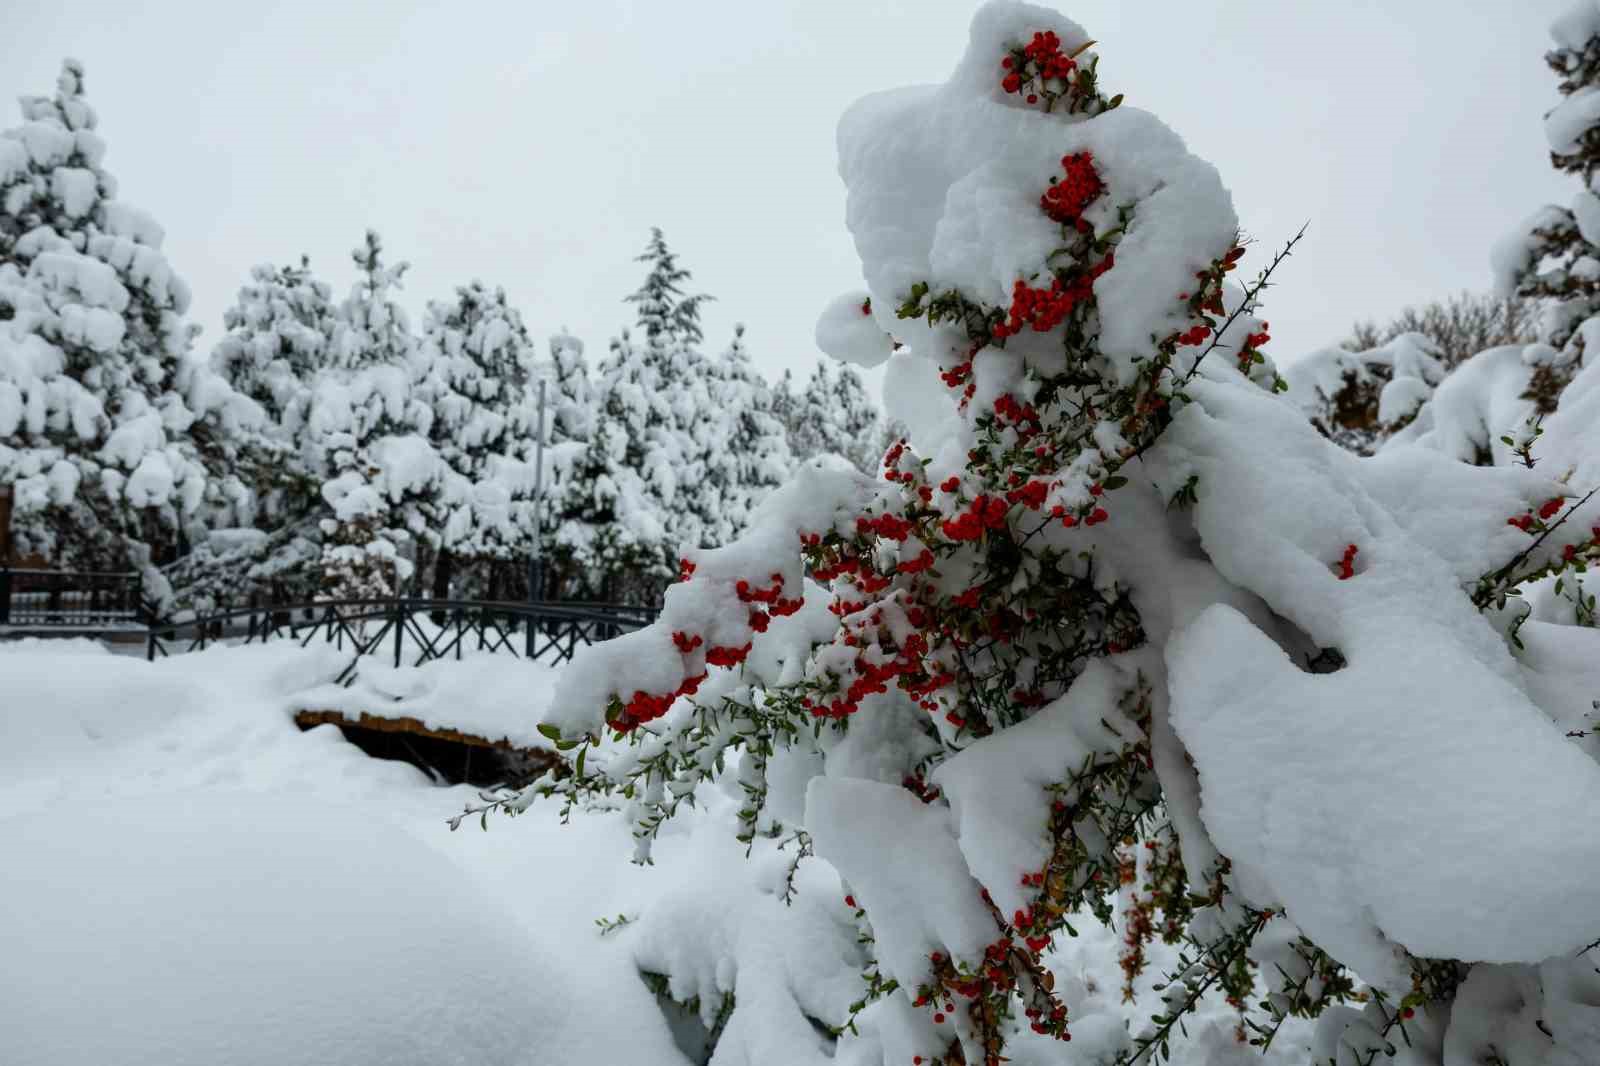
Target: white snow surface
{"points": [[1566, 124], [1356, 818], [852, 335], [942, 186], [191, 879]]}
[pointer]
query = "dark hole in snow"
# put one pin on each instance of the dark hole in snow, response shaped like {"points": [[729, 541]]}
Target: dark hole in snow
{"points": [[689, 1031], [1325, 661], [445, 760]]}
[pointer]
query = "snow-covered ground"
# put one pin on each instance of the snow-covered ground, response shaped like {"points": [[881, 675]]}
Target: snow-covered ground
{"points": [[186, 877]]}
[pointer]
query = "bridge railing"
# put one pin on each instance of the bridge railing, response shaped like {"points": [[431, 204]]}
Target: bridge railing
{"points": [[71, 600], [409, 631]]}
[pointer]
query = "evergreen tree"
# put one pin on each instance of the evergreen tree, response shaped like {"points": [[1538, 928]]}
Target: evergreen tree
{"points": [[834, 415], [658, 394], [368, 435], [572, 405], [93, 422], [664, 309], [472, 370], [1550, 257], [279, 337], [753, 458]]}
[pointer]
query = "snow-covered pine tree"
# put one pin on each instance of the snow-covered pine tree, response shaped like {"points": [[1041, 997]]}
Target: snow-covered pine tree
{"points": [[785, 399], [277, 340], [607, 537], [833, 414], [620, 494], [752, 457], [1552, 256], [1084, 643], [368, 437], [569, 491], [279, 334], [473, 369], [682, 431], [571, 402], [93, 424], [665, 310], [655, 399]]}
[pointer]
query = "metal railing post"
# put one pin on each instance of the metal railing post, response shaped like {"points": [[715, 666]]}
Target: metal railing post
{"points": [[5, 595]]}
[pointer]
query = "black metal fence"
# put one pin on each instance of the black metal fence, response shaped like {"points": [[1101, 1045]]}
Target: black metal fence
{"points": [[409, 631], [406, 631], [61, 600]]}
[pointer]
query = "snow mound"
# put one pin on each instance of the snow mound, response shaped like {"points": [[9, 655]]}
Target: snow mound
{"points": [[496, 697], [56, 711], [264, 929], [848, 330], [1417, 798]]}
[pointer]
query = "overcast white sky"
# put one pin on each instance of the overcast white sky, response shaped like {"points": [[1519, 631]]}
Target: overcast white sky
{"points": [[533, 144]]}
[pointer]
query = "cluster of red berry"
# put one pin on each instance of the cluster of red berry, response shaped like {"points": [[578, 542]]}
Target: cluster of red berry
{"points": [[1067, 197], [984, 512], [1547, 510], [1031, 69]]}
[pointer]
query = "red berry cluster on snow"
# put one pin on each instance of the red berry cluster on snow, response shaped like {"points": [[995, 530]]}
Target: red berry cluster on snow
{"points": [[1040, 72], [1078, 187]]}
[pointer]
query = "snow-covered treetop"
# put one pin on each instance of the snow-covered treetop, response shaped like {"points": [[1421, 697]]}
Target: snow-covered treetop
{"points": [[373, 328], [665, 313], [278, 334]]}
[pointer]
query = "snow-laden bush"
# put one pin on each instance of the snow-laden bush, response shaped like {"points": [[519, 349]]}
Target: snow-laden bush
{"points": [[1361, 399], [1116, 613]]}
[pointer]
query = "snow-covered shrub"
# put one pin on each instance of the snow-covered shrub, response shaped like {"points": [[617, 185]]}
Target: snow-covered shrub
{"points": [[1536, 403], [1114, 594], [1359, 400]]}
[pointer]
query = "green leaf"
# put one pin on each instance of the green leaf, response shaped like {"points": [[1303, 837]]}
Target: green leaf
{"points": [[549, 731], [577, 768], [1116, 481]]}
